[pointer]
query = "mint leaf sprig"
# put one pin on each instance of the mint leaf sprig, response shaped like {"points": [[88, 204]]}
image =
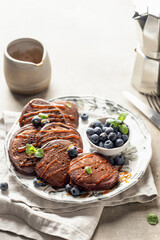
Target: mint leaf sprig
{"points": [[88, 170], [38, 153], [119, 122], [43, 115]]}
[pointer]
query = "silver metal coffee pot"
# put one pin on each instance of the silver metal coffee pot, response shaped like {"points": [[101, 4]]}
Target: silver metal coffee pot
{"points": [[146, 73]]}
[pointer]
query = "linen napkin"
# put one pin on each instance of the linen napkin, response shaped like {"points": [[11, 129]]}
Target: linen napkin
{"points": [[24, 213]]}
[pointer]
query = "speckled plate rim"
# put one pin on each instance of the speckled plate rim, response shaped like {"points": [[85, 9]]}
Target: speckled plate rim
{"points": [[74, 200]]}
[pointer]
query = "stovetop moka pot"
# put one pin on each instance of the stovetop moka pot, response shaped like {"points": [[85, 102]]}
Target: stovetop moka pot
{"points": [[146, 74]]}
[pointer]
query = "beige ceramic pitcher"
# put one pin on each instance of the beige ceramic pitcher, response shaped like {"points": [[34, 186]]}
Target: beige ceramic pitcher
{"points": [[27, 67]]}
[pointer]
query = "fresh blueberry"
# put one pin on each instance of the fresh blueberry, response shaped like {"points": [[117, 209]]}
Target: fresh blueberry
{"points": [[103, 137], [125, 137], [109, 130], [112, 136], [75, 191], [4, 186], [118, 160], [119, 135], [104, 128], [108, 144], [115, 129], [44, 122], [101, 144], [37, 182], [90, 131], [68, 187], [94, 138], [36, 121], [97, 130], [84, 116], [97, 124], [119, 142], [107, 124], [73, 152]]}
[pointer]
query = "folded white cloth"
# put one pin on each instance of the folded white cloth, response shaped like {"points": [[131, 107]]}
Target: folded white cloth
{"points": [[24, 213]]}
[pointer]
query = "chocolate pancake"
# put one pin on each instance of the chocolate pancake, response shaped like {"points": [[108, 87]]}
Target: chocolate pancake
{"points": [[36, 106], [103, 177], [69, 111], [53, 167], [21, 161], [54, 131]]}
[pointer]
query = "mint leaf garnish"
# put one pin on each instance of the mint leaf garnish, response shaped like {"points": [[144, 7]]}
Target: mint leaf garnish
{"points": [[110, 120], [88, 170], [30, 149], [122, 116], [43, 115], [152, 219], [123, 128], [68, 105], [39, 153], [115, 123]]}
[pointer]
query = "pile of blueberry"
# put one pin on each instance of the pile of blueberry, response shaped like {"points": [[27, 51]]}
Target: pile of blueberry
{"points": [[106, 135]]}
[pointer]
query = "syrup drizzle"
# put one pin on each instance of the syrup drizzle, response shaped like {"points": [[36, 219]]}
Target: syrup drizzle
{"points": [[59, 170], [24, 164], [55, 154], [56, 131], [77, 160], [61, 106], [39, 111], [71, 117], [94, 164], [55, 160], [65, 137], [40, 106], [105, 176], [48, 148]]}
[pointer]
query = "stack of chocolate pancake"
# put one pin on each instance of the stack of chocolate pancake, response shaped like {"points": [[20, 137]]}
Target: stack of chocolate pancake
{"points": [[55, 138]]}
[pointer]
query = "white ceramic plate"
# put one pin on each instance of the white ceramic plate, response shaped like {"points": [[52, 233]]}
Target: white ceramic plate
{"points": [[137, 154]]}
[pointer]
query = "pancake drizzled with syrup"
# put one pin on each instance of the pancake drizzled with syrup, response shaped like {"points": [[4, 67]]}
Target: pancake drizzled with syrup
{"points": [[36, 106], [54, 166], [103, 177], [54, 131], [21, 161]]}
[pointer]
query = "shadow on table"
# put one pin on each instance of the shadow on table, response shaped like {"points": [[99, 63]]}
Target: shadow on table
{"points": [[24, 99]]}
